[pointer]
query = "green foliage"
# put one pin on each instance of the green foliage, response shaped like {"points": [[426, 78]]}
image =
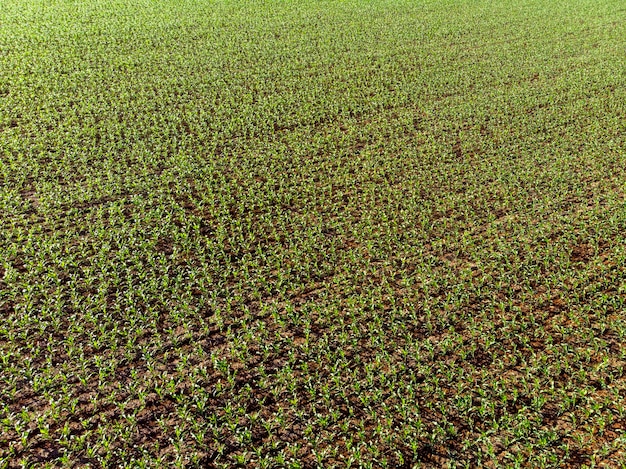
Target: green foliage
{"points": [[312, 233]]}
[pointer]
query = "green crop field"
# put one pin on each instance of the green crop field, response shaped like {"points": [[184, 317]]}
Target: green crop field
{"points": [[312, 234]]}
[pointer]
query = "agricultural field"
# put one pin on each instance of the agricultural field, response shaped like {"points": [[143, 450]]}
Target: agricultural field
{"points": [[312, 234]]}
